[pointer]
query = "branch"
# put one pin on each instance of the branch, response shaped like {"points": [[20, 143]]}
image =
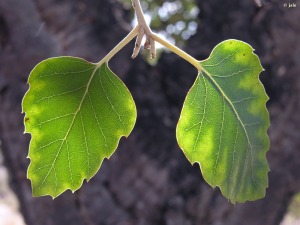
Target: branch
{"points": [[144, 30], [258, 3]]}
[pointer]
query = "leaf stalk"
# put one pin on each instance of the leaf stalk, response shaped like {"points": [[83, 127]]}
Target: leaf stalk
{"points": [[178, 51], [119, 46], [143, 29]]}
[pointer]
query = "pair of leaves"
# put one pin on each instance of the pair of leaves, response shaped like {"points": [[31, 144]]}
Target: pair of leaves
{"points": [[77, 113]]}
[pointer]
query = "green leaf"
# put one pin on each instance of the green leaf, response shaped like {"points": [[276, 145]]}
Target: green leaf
{"points": [[76, 114], [224, 121]]}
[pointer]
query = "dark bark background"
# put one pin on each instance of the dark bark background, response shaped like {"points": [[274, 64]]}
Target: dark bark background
{"points": [[148, 180]]}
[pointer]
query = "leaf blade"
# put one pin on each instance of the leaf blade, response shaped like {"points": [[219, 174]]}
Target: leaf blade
{"points": [[76, 114], [222, 134]]}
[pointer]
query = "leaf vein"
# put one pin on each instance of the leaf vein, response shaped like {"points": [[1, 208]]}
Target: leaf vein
{"points": [[64, 73], [86, 144], [233, 74], [202, 120], [98, 124], [112, 106], [53, 119], [222, 60], [56, 95], [69, 162], [220, 139]]}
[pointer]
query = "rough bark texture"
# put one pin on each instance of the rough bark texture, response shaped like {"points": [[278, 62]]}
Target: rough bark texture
{"points": [[148, 180]]}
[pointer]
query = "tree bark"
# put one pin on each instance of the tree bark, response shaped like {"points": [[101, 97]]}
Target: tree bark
{"points": [[148, 180]]}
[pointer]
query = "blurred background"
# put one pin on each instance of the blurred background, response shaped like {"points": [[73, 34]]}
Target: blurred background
{"points": [[148, 180]]}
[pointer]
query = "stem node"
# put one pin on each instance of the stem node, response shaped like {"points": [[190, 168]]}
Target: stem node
{"points": [[144, 31]]}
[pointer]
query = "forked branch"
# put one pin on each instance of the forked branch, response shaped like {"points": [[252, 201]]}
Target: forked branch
{"points": [[144, 30]]}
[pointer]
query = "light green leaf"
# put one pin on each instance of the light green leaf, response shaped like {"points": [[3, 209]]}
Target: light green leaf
{"points": [[224, 121], [76, 114]]}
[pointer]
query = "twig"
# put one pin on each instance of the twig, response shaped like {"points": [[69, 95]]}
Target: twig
{"points": [[144, 30], [258, 3]]}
